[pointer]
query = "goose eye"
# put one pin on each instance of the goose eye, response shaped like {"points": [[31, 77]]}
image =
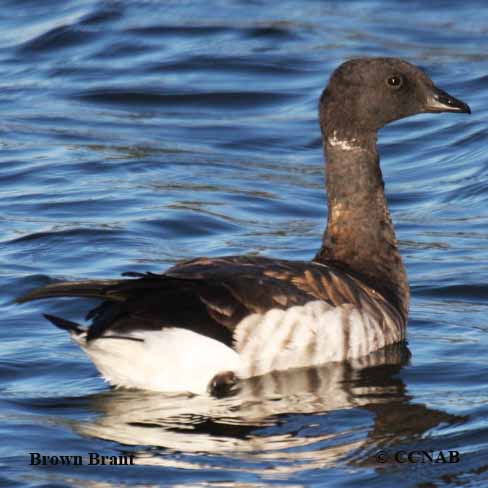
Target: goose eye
{"points": [[395, 81]]}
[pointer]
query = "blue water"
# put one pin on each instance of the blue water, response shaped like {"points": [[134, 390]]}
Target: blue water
{"points": [[136, 134]]}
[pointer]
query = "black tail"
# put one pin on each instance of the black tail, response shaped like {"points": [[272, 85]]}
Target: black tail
{"points": [[71, 327], [86, 289]]}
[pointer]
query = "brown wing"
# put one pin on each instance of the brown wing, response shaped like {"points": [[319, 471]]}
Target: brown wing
{"points": [[212, 296], [259, 284]]}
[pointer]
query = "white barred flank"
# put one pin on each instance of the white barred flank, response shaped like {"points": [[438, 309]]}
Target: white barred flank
{"points": [[176, 359], [308, 335]]}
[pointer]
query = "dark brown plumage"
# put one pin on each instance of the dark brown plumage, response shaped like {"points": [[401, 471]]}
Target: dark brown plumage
{"points": [[212, 296]]}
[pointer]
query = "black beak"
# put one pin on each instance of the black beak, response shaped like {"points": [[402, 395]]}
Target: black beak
{"points": [[440, 101]]}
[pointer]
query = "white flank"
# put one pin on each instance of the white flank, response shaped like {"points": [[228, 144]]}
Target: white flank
{"points": [[172, 359], [308, 335], [176, 359]]}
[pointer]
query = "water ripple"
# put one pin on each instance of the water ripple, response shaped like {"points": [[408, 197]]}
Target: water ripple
{"points": [[135, 134]]}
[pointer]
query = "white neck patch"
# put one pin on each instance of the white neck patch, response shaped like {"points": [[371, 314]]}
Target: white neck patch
{"points": [[345, 144]]}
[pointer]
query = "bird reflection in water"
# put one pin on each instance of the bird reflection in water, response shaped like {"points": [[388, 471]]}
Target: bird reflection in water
{"points": [[262, 420]]}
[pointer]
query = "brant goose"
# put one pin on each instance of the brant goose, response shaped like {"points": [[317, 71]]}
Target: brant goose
{"points": [[206, 322]]}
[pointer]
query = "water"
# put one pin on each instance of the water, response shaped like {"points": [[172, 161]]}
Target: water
{"points": [[135, 134]]}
